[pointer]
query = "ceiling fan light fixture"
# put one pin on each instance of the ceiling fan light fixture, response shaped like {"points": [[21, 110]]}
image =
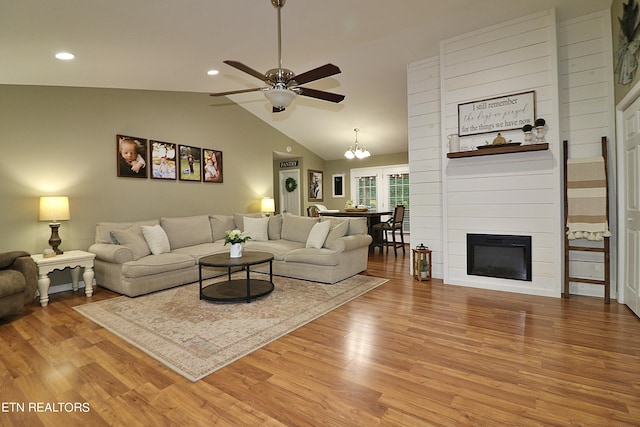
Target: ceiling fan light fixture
{"points": [[280, 97]]}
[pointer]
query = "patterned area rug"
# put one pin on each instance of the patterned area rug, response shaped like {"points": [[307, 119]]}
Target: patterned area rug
{"points": [[196, 338]]}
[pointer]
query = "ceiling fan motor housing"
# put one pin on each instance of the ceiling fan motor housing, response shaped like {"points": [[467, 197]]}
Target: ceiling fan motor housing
{"points": [[280, 75]]}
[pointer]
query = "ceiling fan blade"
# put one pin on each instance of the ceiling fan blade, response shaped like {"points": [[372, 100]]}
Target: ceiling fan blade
{"points": [[277, 109], [317, 73], [319, 94], [233, 92], [240, 66]]}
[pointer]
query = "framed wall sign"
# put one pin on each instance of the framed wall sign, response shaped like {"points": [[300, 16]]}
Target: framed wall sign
{"points": [[492, 115], [338, 185]]}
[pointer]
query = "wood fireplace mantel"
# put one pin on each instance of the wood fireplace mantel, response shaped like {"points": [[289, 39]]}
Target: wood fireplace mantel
{"points": [[499, 150]]}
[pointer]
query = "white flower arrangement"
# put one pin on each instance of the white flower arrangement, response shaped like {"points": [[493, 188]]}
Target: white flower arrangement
{"points": [[236, 236]]}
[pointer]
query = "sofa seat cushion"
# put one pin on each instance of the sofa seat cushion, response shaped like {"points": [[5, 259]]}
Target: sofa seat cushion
{"points": [[276, 247], [156, 264], [11, 282], [205, 249], [313, 256]]}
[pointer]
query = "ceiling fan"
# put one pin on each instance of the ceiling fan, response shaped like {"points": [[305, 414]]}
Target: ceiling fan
{"points": [[284, 85]]}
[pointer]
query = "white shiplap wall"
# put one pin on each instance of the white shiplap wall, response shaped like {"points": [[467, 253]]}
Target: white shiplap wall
{"points": [[425, 158], [586, 115], [515, 192]]}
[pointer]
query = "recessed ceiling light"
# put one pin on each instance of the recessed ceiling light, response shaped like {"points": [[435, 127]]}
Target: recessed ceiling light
{"points": [[65, 56], [213, 72]]}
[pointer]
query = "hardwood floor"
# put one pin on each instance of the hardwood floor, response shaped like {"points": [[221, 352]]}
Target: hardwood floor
{"points": [[406, 353]]}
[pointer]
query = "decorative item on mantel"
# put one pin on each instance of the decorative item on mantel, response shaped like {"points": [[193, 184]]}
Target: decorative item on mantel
{"points": [[454, 143], [528, 133], [422, 263], [540, 122], [237, 238]]}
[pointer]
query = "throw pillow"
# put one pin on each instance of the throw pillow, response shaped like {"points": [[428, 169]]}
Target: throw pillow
{"points": [[318, 235], [239, 219], [156, 239], [338, 229], [257, 228], [275, 227], [133, 241]]}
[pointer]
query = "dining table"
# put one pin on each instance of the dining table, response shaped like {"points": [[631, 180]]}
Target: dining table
{"points": [[373, 217]]}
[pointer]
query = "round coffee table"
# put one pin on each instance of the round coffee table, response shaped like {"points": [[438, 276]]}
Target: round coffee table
{"points": [[238, 289]]}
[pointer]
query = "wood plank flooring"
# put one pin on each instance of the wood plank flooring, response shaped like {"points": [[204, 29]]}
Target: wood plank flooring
{"points": [[405, 354]]}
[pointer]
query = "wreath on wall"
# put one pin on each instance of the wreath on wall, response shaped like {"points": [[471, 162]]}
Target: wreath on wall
{"points": [[290, 184]]}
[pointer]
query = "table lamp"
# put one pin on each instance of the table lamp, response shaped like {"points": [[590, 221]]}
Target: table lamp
{"points": [[267, 206], [54, 209]]}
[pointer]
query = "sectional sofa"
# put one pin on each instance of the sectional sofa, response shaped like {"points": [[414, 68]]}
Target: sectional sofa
{"points": [[136, 258]]}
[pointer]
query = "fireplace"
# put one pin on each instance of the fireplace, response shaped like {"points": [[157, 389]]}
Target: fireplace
{"points": [[501, 256]]}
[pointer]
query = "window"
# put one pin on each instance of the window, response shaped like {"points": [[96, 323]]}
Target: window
{"points": [[382, 188]]}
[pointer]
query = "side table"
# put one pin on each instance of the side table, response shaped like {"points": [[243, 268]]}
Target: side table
{"points": [[70, 259]]}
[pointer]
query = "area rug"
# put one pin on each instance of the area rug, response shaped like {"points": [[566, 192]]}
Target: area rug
{"points": [[196, 337]]}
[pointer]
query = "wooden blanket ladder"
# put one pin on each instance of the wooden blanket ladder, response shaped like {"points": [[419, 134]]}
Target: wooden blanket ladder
{"points": [[605, 249]]}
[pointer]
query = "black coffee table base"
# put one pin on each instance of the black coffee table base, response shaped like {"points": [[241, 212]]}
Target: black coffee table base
{"points": [[237, 290]]}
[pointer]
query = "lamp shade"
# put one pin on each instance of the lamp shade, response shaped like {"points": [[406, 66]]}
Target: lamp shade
{"points": [[267, 205], [54, 209]]}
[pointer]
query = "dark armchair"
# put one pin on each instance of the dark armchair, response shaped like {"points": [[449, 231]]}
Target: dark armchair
{"points": [[18, 281]]}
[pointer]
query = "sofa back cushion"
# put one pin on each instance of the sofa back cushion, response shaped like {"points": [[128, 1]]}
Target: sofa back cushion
{"points": [[297, 228], [187, 231], [357, 226], [220, 224], [104, 229]]}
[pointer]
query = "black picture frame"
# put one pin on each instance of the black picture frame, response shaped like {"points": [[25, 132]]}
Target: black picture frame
{"points": [[163, 157], [189, 163], [315, 186], [212, 165], [131, 156]]}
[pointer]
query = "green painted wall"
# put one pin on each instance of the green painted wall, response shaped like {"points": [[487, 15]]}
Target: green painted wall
{"points": [[62, 141]]}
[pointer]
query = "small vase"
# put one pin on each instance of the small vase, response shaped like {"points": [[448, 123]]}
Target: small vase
{"points": [[236, 250], [540, 135]]}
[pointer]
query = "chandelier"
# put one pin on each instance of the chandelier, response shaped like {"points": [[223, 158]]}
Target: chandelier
{"points": [[355, 151]]}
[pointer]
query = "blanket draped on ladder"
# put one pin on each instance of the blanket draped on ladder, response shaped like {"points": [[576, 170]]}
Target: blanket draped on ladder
{"points": [[587, 199]]}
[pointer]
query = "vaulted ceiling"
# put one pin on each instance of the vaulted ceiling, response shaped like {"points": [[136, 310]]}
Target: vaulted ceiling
{"points": [[171, 44]]}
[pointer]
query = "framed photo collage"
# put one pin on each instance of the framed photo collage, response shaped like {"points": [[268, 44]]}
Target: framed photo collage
{"points": [[142, 158]]}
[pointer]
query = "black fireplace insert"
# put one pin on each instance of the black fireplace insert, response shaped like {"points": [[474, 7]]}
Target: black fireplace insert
{"points": [[501, 256]]}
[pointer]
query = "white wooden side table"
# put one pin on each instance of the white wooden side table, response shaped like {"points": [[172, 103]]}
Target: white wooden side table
{"points": [[70, 259]]}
